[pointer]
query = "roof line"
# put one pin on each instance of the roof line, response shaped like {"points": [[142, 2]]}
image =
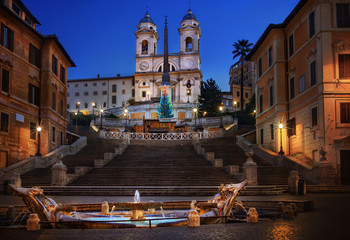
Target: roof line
{"points": [[101, 78], [271, 26]]}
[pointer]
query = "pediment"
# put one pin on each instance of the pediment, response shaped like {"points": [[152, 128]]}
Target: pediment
{"points": [[341, 45]]}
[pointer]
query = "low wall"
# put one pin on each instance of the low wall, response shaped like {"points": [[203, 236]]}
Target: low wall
{"points": [[44, 161]]}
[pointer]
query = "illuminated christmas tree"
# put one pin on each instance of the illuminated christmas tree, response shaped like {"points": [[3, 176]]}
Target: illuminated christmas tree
{"points": [[165, 109]]}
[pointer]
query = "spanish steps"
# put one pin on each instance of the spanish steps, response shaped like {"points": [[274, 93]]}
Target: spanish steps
{"points": [[153, 167]]}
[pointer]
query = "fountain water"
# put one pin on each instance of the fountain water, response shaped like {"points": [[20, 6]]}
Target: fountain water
{"points": [[111, 213], [137, 198]]}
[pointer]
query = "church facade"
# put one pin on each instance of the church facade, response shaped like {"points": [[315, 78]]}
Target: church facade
{"points": [[145, 91]]}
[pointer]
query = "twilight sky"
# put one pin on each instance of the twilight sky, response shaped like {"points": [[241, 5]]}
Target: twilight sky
{"points": [[99, 35]]}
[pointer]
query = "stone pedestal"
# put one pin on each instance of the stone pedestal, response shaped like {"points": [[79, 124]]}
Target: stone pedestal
{"points": [[59, 174], [193, 219], [33, 222], [250, 170], [293, 182], [137, 214]]}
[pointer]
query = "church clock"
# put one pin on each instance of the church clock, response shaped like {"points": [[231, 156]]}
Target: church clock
{"points": [[144, 66]]}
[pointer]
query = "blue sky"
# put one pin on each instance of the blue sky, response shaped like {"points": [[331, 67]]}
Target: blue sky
{"points": [[99, 35]]}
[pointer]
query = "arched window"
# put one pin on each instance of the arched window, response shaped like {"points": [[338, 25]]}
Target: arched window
{"points": [[104, 104], [172, 68], [114, 99], [155, 48], [144, 47], [86, 105], [123, 104], [160, 68], [188, 44]]}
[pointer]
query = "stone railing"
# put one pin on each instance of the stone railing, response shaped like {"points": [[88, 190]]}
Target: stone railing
{"points": [[160, 136], [44, 161], [321, 173]]}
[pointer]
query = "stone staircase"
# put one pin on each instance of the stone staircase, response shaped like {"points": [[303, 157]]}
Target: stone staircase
{"points": [[231, 154], [172, 163], [78, 164]]}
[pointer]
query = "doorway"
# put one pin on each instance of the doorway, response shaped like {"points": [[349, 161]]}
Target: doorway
{"points": [[345, 167], [3, 159]]}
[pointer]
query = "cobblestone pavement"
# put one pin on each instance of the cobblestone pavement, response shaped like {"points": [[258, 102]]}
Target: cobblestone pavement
{"points": [[329, 220]]}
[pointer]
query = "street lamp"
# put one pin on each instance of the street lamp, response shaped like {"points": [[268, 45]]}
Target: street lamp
{"points": [[101, 112], [195, 110], [76, 119], [235, 104], [221, 108], [38, 154], [126, 120], [280, 126], [188, 95], [93, 111]]}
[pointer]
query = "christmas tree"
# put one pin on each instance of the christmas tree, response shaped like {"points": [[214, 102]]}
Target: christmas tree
{"points": [[165, 109]]}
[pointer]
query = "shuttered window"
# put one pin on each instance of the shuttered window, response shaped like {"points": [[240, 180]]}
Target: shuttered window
{"points": [[344, 112], [54, 65], [34, 55], [4, 122], [5, 81], [6, 37], [343, 15], [311, 24], [33, 95], [344, 66]]}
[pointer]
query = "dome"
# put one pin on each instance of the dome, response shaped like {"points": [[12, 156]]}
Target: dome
{"points": [[146, 19], [189, 16]]}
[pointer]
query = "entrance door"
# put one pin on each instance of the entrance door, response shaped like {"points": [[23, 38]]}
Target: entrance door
{"points": [[345, 166], [3, 159]]}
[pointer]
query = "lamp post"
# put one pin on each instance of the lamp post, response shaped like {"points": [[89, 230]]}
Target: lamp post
{"points": [[280, 126], [38, 154], [221, 108], [126, 120], [101, 112], [93, 111], [188, 95], [195, 110], [76, 119], [235, 105]]}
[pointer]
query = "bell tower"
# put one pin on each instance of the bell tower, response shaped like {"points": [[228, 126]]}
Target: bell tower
{"points": [[189, 34], [146, 37]]}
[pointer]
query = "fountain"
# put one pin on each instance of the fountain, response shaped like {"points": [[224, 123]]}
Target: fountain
{"points": [[129, 214]]}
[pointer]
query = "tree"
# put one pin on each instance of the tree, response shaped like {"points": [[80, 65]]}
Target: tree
{"points": [[210, 98], [242, 48], [165, 109]]}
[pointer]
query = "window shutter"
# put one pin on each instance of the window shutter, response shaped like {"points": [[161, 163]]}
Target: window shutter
{"points": [[10, 39], [341, 65], [37, 96]]}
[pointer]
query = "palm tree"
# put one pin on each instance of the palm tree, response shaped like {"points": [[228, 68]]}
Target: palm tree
{"points": [[242, 48]]}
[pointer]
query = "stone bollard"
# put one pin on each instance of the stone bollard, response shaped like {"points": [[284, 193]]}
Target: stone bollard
{"points": [[253, 216], [11, 213], [210, 156], [280, 207], [33, 222], [193, 219], [59, 174], [293, 182], [105, 208], [289, 213], [250, 169]]}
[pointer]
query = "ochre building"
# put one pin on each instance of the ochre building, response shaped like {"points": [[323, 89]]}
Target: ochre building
{"points": [[33, 72], [303, 82]]}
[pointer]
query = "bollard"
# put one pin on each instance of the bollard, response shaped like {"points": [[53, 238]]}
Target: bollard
{"points": [[253, 216], [193, 219], [33, 222], [105, 208]]}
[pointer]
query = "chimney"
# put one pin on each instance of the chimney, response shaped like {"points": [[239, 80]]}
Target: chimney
{"points": [[98, 75]]}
